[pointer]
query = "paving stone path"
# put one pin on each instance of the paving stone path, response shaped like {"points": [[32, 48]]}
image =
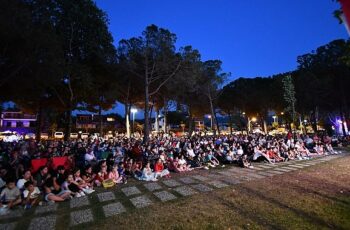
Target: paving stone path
{"points": [[43, 223], [106, 196], [113, 209], [115, 201], [130, 191], [79, 202], [141, 201], [171, 183], [165, 196], [46, 208], [152, 186], [185, 190], [81, 216], [187, 180]]}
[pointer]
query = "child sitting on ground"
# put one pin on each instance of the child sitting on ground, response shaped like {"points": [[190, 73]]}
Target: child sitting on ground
{"points": [[102, 175], [244, 162], [121, 171], [86, 187], [136, 171], [31, 195], [88, 176], [159, 169], [147, 174], [114, 175], [71, 185], [54, 193], [10, 195]]}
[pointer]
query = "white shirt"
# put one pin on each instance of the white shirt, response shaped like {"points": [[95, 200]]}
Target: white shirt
{"points": [[20, 183], [182, 161], [33, 195], [2, 183], [190, 153], [89, 156]]}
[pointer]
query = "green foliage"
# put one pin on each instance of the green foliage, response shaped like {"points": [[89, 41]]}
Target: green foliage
{"points": [[319, 85], [289, 96], [254, 96]]}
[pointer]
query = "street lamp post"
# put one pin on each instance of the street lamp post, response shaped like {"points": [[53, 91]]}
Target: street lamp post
{"points": [[211, 122], [248, 123], [282, 113], [274, 118], [133, 111]]}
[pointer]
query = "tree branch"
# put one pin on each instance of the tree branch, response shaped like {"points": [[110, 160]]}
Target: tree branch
{"points": [[59, 97], [167, 79]]}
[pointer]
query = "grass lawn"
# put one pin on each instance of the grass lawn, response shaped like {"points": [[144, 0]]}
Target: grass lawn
{"points": [[317, 197]]}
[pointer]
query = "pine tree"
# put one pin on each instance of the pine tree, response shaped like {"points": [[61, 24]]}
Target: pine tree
{"points": [[289, 96]]}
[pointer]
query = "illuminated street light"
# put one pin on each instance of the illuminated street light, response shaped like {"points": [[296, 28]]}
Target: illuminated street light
{"points": [[254, 119], [211, 121], [274, 118]]}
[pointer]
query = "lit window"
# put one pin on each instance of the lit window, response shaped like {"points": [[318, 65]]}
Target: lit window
{"points": [[110, 119]]}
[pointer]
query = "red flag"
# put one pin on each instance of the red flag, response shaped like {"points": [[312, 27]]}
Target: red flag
{"points": [[345, 4]]}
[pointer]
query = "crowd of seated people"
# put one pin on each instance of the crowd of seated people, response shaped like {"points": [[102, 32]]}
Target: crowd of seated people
{"points": [[93, 162]]}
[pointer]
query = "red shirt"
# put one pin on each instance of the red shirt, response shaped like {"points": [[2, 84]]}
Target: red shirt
{"points": [[158, 167]]}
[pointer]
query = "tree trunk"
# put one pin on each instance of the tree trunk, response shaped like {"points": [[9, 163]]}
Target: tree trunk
{"points": [[230, 121], [100, 120], [343, 122], [127, 120], [39, 123], [265, 126], [146, 129], [190, 126], [314, 121], [157, 121], [165, 122], [217, 123], [150, 117], [248, 125], [68, 123], [212, 113]]}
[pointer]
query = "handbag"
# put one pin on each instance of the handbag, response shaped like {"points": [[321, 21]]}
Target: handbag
{"points": [[108, 183]]}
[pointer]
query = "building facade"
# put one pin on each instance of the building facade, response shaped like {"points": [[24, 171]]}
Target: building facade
{"points": [[91, 122], [15, 121]]}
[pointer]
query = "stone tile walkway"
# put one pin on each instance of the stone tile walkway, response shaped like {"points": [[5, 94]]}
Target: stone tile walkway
{"points": [[81, 210], [152, 186], [130, 191], [187, 180], [202, 188], [43, 223], [79, 202], [81, 216], [106, 196], [165, 196], [185, 191], [113, 209], [46, 208], [171, 183], [141, 201]]}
